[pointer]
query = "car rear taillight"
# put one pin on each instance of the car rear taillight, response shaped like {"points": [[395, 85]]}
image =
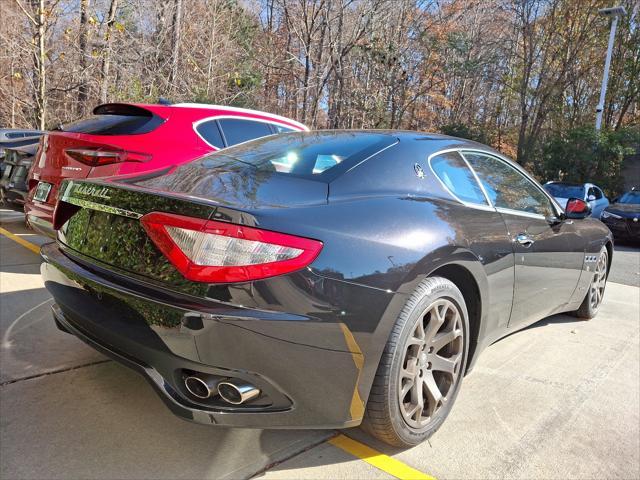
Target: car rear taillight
{"points": [[98, 157], [219, 252]]}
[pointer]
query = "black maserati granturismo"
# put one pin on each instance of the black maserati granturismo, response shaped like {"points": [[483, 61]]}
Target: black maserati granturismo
{"points": [[319, 279]]}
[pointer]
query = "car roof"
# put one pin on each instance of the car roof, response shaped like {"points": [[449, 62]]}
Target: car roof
{"points": [[568, 184], [8, 135], [165, 110], [437, 141]]}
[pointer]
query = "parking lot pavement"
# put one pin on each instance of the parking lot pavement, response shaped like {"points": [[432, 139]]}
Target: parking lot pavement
{"points": [[625, 268], [560, 399], [557, 400]]}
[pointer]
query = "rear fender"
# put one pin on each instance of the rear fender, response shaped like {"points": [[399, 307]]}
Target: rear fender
{"points": [[435, 260]]}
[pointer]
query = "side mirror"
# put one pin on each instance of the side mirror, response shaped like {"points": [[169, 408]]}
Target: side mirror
{"points": [[577, 209], [591, 198]]}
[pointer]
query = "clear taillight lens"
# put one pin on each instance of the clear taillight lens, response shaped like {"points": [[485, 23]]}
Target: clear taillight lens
{"points": [[211, 251]]}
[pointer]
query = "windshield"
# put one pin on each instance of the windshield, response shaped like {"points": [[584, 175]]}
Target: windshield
{"points": [[564, 190], [303, 154], [632, 197]]}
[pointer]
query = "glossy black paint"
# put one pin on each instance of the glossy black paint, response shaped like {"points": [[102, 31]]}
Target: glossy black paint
{"points": [[627, 226], [311, 340]]}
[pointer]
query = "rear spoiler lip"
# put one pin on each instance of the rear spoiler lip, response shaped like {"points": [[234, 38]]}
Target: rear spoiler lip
{"points": [[134, 109]]}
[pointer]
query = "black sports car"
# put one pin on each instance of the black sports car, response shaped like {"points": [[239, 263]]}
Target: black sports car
{"points": [[320, 279], [623, 216]]}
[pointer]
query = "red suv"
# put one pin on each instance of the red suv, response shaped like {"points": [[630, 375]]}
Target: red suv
{"points": [[121, 138]]}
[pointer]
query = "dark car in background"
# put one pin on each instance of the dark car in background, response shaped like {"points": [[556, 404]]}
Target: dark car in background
{"points": [[13, 138], [623, 216], [18, 151], [13, 183], [320, 279]]}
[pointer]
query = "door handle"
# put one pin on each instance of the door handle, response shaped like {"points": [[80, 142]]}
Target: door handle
{"points": [[524, 240]]}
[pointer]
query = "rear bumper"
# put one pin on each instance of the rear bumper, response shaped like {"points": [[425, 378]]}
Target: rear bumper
{"points": [[40, 217], [161, 336]]}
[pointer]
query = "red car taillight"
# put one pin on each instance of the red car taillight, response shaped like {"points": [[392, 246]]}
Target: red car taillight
{"points": [[219, 252], [96, 157]]}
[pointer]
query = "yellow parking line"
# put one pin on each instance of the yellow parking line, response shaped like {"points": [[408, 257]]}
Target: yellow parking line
{"points": [[31, 246], [379, 460]]}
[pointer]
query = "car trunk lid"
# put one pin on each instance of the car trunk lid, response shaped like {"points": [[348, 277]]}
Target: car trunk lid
{"points": [[101, 219]]}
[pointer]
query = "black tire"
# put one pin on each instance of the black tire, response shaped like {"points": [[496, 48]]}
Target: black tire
{"points": [[386, 415], [593, 298]]}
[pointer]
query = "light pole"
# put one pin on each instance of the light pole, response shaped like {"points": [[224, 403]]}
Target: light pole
{"points": [[615, 13]]}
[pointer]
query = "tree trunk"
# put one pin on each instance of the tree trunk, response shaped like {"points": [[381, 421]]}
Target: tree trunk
{"points": [[82, 43], [177, 15], [41, 100], [106, 57]]}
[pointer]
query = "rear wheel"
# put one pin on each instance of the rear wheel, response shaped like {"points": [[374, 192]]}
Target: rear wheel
{"points": [[422, 366], [593, 299]]}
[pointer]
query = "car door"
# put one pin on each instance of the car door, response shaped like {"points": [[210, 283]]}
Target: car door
{"points": [[596, 200], [484, 230], [548, 252]]}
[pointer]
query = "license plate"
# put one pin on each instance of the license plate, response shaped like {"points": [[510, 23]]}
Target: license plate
{"points": [[42, 192]]}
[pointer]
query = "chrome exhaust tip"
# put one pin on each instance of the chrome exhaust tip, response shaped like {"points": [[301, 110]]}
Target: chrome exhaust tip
{"points": [[201, 385], [237, 394]]}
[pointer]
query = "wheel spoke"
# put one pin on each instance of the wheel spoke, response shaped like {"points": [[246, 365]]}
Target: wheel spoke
{"points": [[433, 392], [417, 399], [447, 365], [443, 339], [407, 373], [436, 319], [405, 389], [418, 333]]}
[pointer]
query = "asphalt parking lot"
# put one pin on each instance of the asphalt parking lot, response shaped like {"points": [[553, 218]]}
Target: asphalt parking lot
{"points": [[560, 399]]}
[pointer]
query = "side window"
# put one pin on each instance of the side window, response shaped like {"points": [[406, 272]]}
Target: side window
{"points": [[507, 187], [282, 128], [238, 130], [595, 192], [454, 173], [210, 133]]}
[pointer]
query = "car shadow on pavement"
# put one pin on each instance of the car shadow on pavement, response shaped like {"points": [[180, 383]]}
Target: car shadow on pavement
{"points": [[105, 421], [31, 344]]}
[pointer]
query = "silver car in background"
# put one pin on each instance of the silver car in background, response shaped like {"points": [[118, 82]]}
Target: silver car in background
{"points": [[590, 193]]}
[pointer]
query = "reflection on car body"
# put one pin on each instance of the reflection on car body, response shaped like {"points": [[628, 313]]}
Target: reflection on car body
{"points": [[341, 292]]}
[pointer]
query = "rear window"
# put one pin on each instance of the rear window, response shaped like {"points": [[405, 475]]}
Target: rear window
{"points": [[304, 154], [564, 190], [114, 124]]}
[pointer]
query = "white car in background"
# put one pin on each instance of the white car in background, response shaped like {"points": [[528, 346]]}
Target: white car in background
{"points": [[590, 193]]}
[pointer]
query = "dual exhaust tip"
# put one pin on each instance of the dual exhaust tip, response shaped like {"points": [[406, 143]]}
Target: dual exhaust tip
{"points": [[206, 386]]}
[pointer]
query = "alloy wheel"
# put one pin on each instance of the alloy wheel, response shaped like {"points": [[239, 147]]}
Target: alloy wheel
{"points": [[599, 281], [431, 364]]}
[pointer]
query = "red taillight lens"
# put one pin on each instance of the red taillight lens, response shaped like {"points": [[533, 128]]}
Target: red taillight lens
{"points": [[220, 252], [96, 157]]}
